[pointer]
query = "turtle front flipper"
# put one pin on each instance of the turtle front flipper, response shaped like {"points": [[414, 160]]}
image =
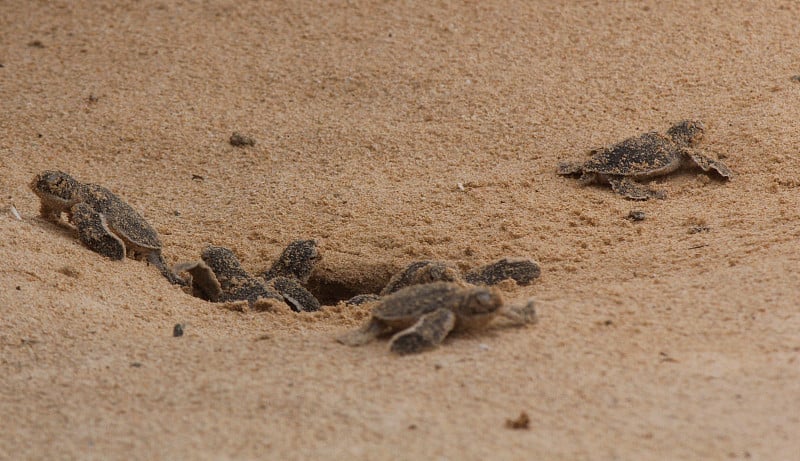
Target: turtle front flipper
{"points": [[633, 190], [294, 294], [157, 259], [204, 282], [707, 163], [427, 333], [521, 270], [365, 334], [93, 231]]}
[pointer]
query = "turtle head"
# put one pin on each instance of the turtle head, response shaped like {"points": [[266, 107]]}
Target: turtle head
{"points": [[480, 302], [438, 272], [57, 188], [687, 132], [223, 262], [300, 257]]}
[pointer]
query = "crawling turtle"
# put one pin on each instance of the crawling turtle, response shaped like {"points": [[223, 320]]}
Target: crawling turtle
{"points": [[522, 270], [219, 277], [105, 223], [646, 156], [423, 315]]}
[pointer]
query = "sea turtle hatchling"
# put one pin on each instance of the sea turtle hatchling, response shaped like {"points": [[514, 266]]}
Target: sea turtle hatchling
{"points": [[423, 315], [522, 270], [105, 223], [219, 277], [643, 157]]}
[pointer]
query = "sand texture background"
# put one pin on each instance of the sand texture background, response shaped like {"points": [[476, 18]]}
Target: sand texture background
{"points": [[653, 342]]}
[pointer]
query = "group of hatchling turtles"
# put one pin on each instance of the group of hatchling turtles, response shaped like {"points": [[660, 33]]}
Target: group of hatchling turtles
{"points": [[421, 304]]}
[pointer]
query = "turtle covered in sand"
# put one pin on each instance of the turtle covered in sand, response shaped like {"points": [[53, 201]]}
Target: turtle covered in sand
{"points": [[219, 277], [421, 316], [105, 223], [646, 156]]}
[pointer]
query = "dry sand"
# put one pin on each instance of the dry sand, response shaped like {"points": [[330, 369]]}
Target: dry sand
{"points": [[653, 343]]}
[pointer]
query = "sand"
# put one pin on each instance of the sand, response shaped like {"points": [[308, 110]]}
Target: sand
{"points": [[394, 132]]}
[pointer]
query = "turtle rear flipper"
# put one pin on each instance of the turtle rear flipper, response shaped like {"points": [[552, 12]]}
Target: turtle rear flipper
{"points": [[365, 334], [707, 163], [633, 190], [429, 331], [204, 283], [93, 231]]}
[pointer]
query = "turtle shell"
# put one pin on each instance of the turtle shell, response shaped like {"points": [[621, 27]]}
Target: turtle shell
{"points": [[409, 304], [650, 154], [121, 218]]}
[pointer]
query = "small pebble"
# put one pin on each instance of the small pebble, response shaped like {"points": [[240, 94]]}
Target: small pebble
{"points": [[177, 330], [523, 421], [796, 78]]}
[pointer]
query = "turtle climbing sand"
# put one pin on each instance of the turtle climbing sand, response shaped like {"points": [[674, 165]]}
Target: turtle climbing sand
{"points": [[296, 261], [643, 157], [421, 316], [219, 277], [105, 223]]}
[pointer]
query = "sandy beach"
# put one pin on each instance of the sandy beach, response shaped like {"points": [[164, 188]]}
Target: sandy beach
{"points": [[393, 132]]}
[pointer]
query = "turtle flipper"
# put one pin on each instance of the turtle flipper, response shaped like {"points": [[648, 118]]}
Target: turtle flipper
{"points": [[429, 331], [93, 231], [157, 259], [363, 335], [204, 282], [707, 163], [521, 270], [294, 294], [633, 190]]}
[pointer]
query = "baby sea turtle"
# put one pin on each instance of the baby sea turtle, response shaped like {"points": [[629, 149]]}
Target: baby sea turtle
{"points": [[646, 156], [219, 277], [522, 270], [423, 315], [105, 223]]}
